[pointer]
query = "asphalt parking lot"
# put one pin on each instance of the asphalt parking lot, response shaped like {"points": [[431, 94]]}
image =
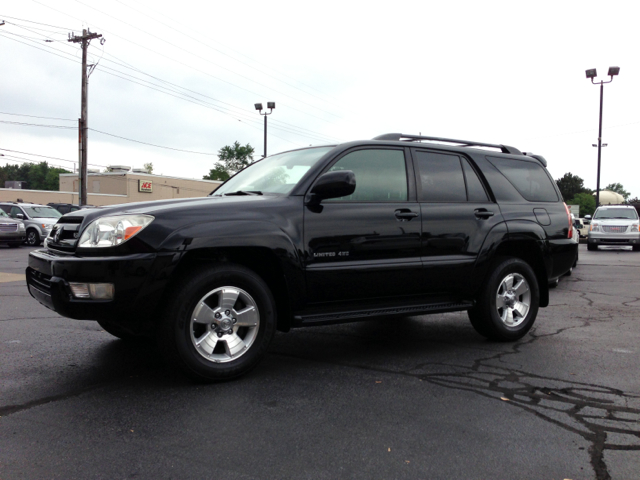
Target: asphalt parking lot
{"points": [[418, 397]]}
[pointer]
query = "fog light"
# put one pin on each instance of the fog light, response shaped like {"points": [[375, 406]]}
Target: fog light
{"points": [[101, 291], [98, 291]]}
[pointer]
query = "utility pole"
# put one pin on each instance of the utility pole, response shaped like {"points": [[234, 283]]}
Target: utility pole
{"points": [[85, 39]]}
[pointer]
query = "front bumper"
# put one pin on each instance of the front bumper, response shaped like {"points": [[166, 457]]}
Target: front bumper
{"points": [[139, 281], [603, 238], [17, 237]]}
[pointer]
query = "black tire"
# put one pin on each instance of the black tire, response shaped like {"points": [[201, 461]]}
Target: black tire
{"points": [[636, 248], [33, 238], [592, 247], [184, 342], [14, 245], [119, 332], [486, 317]]}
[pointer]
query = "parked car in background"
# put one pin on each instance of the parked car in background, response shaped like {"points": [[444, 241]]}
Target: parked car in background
{"points": [[615, 225], [12, 232], [580, 227], [38, 219], [64, 208]]}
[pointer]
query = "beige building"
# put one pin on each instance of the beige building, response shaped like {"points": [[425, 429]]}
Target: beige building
{"points": [[120, 185]]}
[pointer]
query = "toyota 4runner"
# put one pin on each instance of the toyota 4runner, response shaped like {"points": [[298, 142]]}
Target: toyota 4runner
{"points": [[394, 226]]}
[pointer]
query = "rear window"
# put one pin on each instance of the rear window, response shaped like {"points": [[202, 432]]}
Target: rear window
{"points": [[529, 178]]}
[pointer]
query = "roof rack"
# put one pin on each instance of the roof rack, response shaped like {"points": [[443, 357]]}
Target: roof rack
{"points": [[400, 137]]}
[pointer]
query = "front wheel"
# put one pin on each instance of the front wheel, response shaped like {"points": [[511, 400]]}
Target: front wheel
{"points": [[636, 248], [508, 303], [219, 324], [592, 247], [33, 238]]}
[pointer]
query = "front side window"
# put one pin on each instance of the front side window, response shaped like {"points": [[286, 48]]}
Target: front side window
{"points": [[15, 211], [381, 175]]}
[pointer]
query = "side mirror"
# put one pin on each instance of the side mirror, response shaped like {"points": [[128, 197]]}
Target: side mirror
{"points": [[588, 217], [20, 216], [333, 185]]}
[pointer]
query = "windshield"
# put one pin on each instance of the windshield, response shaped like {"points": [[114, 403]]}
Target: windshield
{"points": [[275, 174], [42, 212], [627, 213]]}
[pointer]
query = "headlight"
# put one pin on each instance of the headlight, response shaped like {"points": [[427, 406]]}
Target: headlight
{"points": [[595, 227], [21, 226], [113, 231], [635, 227]]}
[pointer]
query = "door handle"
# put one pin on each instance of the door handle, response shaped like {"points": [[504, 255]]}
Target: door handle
{"points": [[405, 214], [482, 213]]}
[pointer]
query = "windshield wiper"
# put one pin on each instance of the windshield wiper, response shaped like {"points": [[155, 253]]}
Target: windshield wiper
{"points": [[244, 192]]}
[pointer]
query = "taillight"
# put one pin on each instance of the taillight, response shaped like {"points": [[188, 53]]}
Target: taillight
{"points": [[570, 232]]}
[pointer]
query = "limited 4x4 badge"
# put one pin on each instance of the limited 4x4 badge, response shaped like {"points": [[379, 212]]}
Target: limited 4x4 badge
{"points": [[331, 254]]}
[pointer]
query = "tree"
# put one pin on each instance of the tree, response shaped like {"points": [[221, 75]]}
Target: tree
{"points": [[571, 185], [586, 201], [39, 176], [618, 188], [148, 167], [231, 159]]}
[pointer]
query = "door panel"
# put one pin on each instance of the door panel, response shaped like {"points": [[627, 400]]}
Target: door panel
{"points": [[365, 245]]}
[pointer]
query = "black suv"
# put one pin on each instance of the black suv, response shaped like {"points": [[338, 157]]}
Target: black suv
{"points": [[397, 225]]}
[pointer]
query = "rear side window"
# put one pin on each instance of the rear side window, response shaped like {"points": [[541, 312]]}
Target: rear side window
{"points": [[441, 177], [529, 178], [448, 178]]}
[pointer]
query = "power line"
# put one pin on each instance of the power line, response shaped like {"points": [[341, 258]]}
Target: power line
{"points": [[226, 54], [178, 61], [36, 125], [152, 144], [46, 156], [201, 57], [38, 23], [35, 116], [197, 103]]}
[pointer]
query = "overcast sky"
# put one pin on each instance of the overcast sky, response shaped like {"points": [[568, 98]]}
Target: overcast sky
{"points": [[185, 75]]}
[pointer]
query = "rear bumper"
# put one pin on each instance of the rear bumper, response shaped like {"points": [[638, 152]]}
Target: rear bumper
{"points": [[139, 281]]}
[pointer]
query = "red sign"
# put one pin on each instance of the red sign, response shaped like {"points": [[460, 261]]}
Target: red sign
{"points": [[145, 186]]}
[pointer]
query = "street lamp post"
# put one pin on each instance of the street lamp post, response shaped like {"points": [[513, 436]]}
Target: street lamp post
{"points": [[270, 106], [591, 73]]}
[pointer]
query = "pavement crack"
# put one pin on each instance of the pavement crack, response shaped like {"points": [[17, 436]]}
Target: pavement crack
{"points": [[11, 409]]}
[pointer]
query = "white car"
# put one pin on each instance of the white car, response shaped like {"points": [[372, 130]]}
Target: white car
{"points": [[615, 225]]}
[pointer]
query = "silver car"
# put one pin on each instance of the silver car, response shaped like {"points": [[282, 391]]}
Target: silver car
{"points": [[38, 219], [615, 225], [12, 232]]}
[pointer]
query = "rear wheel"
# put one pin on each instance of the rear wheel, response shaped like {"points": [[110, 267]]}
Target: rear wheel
{"points": [[508, 304], [219, 324]]}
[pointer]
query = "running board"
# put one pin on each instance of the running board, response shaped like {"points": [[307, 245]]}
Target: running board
{"points": [[340, 317]]}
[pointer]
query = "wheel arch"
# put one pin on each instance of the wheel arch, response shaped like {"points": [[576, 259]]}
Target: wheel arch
{"points": [[261, 260], [530, 252]]}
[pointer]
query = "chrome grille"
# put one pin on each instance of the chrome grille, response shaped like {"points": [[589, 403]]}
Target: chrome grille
{"points": [[8, 227], [614, 229]]}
